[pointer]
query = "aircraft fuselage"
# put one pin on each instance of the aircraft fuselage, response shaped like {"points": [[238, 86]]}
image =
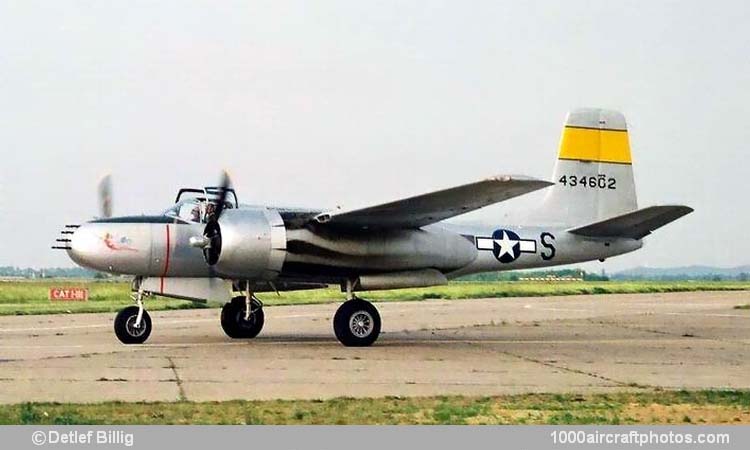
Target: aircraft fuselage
{"points": [[158, 246]]}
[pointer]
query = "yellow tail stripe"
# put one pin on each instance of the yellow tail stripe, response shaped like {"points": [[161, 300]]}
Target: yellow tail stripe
{"points": [[588, 144]]}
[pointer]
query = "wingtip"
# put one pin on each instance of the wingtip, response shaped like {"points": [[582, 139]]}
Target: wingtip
{"points": [[684, 209]]}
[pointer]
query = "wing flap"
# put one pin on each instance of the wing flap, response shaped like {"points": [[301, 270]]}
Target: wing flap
{"points": [[636, 224], [421, 210]]}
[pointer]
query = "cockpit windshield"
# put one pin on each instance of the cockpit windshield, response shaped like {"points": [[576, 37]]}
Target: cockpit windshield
{"points": [[195, 210]]}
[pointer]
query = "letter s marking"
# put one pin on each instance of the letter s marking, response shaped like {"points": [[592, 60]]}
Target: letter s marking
{"points": [[548, 245]]}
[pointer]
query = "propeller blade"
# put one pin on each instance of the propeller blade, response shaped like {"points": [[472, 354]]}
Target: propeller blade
{"points": [[105, 196], [210, 242], [225, 184]]}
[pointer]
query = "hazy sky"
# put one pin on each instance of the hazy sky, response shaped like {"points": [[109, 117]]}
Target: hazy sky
{"points": [[352, 103]]}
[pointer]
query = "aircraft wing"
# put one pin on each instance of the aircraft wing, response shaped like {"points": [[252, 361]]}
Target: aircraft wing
{"points": [[636, 224], [414, 212]]}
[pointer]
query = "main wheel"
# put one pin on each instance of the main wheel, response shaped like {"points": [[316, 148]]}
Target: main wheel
{"points": [[125, 328], [233, 319], [356, 323]]}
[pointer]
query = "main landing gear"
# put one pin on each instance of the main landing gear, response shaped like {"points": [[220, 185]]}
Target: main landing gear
{"points": [[242, 318], [356, 322]]}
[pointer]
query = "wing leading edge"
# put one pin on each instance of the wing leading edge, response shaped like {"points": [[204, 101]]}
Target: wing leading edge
{"points": [[421, 210]]}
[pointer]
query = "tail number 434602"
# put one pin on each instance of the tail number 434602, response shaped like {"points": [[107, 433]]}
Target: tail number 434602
{"points": [[594, 182]]}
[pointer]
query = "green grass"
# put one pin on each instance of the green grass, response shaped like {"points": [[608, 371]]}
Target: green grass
{"points": [[30, 297], [730, 406], [22, 297]]}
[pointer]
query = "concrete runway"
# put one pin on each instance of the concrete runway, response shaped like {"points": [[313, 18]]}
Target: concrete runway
{"points": [[473, 347]]}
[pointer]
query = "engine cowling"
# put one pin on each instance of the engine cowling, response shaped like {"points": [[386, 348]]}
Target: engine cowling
{"points": [[247, 244]]}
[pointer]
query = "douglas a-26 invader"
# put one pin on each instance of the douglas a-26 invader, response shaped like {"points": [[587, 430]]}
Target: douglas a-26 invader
{"points": [[209, 247]]}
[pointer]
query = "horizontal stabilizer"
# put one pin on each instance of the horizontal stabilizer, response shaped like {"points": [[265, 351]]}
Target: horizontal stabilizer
{"points": [[435, 206], [634, 225]]}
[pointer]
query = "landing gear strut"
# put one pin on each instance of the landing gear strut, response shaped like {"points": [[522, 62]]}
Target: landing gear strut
{"points": [[356, 322], [242, 318], [133, 324]]}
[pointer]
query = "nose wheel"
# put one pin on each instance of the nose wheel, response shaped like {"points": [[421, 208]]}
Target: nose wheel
{"points": [[357, 323], [130, 330]]}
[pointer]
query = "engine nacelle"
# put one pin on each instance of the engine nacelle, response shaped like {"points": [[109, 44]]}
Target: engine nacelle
{"points": [[252, 244]]}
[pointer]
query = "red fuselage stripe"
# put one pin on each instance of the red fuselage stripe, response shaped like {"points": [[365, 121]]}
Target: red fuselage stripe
{"points": [[166, 261]]}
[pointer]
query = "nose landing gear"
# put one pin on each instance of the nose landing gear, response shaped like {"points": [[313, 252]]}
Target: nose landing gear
{"points": [[133, 324], [127, 328]]}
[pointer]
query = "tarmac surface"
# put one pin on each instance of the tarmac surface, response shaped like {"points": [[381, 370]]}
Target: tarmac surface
{"points": [[472, 347]]}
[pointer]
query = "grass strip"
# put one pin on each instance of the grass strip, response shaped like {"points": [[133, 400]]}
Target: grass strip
{"points": [[646, 407], [30, 297]]}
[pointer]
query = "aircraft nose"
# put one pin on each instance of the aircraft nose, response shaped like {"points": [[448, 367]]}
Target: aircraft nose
{"points": [[111, 247], [84, 246]]}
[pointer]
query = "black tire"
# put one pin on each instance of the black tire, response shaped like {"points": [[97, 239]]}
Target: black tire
{"points": [[233, 319], [125, 326], [357, 323]]}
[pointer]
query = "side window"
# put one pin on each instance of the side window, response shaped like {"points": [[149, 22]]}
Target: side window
{"points": [[190, 211]]}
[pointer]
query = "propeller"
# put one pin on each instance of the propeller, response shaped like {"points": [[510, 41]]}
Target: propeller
{"points": [[105, 196], [224, 186], [210, 242]]}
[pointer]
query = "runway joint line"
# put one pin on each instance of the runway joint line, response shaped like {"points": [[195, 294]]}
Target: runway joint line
{"points": [[577, 371], [181, 396]]}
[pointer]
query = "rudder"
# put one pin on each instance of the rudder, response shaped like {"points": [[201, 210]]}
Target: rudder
{"points": [[594, 174]]}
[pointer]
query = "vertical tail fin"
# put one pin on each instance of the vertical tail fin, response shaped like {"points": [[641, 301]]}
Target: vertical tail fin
{"points": [[594, 174]]}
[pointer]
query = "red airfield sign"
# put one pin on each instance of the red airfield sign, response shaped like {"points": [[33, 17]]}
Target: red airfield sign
{"points": [[68, 294]]}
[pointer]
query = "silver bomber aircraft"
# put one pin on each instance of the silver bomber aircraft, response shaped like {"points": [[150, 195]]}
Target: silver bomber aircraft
{"points": [[208, 247]]}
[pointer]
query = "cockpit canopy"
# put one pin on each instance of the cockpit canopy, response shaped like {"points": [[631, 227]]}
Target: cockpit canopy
{"points": [[198, 205]]}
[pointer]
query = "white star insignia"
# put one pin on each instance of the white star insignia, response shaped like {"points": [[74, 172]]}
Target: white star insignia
{"points": [[506, 245]]}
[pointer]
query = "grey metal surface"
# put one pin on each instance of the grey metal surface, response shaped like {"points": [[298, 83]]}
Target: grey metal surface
{"points": [[552, 246], [317, 252], [435, 206], [634, 225], [253, 243], [203, 288], [116, 248], [574, 205], [141, 249], [568, 205], [602, 119], [397, 280]]}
